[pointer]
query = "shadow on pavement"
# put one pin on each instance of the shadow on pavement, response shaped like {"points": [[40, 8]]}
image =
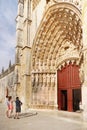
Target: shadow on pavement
{"points": [[23, 115]]}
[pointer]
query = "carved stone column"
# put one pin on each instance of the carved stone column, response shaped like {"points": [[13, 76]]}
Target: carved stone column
{"points": [[56, 92], [19, 40], [43, 89], [52, 88], [48, 85]]}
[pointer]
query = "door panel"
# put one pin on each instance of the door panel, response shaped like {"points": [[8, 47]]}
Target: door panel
{"points": [[76, 99], [68, 80], [64, 100]]}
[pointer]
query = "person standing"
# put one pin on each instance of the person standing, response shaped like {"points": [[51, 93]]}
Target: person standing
{"points": [[18, 104], [7, 106]]}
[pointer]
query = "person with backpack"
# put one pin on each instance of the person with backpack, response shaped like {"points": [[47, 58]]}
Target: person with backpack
{"points": [[18, 104]]}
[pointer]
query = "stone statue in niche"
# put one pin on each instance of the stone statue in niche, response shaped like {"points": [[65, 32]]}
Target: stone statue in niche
{"points": [[33, 80], [40, 80], [44, 80], [35, 83], [37, 80], [53, 80], [48, 81], [81, 73]]}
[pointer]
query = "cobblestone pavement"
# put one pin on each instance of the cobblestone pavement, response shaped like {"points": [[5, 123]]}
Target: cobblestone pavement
{"points": [[42, 120]]}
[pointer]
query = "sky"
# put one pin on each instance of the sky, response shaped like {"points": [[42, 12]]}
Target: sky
{"points": [[8, 13]]}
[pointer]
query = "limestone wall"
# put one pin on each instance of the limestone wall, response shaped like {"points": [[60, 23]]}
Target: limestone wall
{"points": [[36, 17], [7, 83]]}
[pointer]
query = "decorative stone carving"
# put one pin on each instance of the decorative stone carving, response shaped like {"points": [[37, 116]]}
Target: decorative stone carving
{"points": [[20, 11], [16, 79], [35, 3], [35, 83], [47, 1], [76, 2], [53, 81], [68, 52], [68, 47], [48, 81], [81, 73], [40, 80], [17, 58], [33, 80]]}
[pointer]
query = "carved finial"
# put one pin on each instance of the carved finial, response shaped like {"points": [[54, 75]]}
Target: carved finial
{"points": [[21, 1], [47, 1], [9, 63], [2, 69]]}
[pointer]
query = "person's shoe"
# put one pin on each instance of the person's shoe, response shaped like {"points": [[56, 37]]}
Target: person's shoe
{"points": [[18, 118]]}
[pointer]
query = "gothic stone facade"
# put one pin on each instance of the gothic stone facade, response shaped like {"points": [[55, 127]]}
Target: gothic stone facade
{"points": [[51, 51], [7, 83], [49, 38]]}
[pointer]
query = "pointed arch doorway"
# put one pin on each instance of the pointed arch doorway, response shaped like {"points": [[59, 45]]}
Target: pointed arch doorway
{"points": [[69, 88]]}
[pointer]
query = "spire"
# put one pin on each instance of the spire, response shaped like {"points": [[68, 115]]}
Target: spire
{"points": [[2, 69], [47, 1], [9, 63], [21, 1]]}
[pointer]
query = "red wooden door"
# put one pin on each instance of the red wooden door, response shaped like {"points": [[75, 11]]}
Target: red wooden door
{"points": [[68, 80]]}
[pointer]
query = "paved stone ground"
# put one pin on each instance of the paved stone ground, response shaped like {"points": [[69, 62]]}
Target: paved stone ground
{"points": [[42, 120]]}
